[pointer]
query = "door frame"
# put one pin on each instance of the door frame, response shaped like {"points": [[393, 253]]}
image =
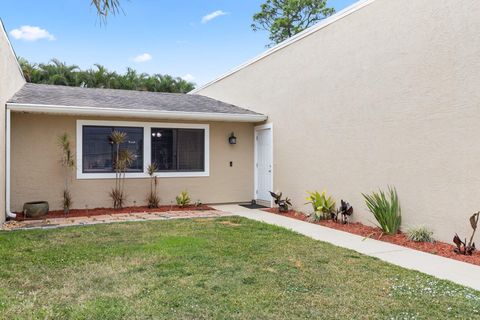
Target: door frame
{"points": [[267, 126]]}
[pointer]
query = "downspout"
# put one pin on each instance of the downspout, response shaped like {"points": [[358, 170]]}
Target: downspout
{"points": [[9, 214]]}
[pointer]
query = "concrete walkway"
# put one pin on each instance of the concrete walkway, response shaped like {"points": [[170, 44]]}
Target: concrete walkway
{"points": [[456, 271]]}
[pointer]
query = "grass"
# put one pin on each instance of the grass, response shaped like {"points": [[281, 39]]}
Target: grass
{"points": [[209, 268]]}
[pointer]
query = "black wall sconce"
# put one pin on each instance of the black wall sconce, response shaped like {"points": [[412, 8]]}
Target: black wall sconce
{"points": [[232, 139]]}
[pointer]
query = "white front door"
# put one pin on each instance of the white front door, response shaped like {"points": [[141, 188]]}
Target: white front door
{"points": [[263, 162]]}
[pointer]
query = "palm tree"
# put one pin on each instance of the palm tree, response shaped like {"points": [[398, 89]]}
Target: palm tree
{"points": [[184, 86], [59, 73], [153, 199], [106, 7], [67, 161], [123, 160], [28, 69]]}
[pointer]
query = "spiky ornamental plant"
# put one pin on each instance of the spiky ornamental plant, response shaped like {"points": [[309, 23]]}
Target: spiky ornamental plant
{"points": [[345, 211], [323, 206], [462, 246], [153, 199], [183, 199], [123, 160], [386, 209], [283, 204], [420, 234], [68, 162]]}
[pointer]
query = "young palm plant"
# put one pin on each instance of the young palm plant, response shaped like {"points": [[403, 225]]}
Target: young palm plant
{"points": [[323, 205], [183, 199], [123, 160], [386, 209], [68, 162], [153, 199]]}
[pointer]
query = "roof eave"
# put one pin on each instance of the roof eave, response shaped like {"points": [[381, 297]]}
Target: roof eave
{"points": [[137, 113]]}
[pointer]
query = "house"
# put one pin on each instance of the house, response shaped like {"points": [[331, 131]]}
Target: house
{"points": [[11, 80], [187, 136], [382, 93]]}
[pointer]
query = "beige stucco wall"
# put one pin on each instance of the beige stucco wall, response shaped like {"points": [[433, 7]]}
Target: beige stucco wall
{"points": [[11, 80], [37, 174], [386, 96]]}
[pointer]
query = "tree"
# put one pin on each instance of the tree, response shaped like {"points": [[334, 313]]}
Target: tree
{"points": [[153, 199], [68, 163], [286, 18], [123, 160], [106, 7], [59, 73]]}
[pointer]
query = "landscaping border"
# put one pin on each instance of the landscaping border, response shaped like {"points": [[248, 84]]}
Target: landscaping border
{"points": [[438, 248]]}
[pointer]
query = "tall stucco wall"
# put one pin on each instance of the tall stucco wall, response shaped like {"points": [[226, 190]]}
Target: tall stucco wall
{"points": [[11, 80], [388, 95], [37, 175]]}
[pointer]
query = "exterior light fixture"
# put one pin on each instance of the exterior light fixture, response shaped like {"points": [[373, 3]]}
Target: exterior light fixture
{"points": [[232, 139]]}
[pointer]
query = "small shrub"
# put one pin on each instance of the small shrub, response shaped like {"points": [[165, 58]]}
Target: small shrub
{"points": [[123, 160], [323, 206], [462, 246], [153, 199], [386, 209], [183, 199], [345, 211], [67, 201], [283, 204], [420, 234], [68, 163]]}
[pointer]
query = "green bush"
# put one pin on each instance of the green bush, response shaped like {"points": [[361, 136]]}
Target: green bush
{"points": [[386, 209], [420, 234], [323, 206], [183, 199]]}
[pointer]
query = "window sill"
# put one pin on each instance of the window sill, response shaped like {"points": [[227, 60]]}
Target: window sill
{"points": [[141, 175]]}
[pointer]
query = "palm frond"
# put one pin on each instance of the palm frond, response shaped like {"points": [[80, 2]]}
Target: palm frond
{"points": [[151, 169], [106, 7], [118, 137]]}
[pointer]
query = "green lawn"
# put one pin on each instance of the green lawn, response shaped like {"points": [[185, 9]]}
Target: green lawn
{"points": [[209, 268]]}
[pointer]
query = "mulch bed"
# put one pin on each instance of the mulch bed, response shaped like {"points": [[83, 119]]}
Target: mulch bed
{"points": [[106, 211], [439, 248]]}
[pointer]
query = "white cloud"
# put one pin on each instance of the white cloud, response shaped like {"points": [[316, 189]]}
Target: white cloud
{"points": [[30, 33], [188, 77], [213, 15], [144, 57]]}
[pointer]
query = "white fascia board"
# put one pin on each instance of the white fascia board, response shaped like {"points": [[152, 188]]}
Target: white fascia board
{"points": [[305, 33], [2, 28], [138, 113]]}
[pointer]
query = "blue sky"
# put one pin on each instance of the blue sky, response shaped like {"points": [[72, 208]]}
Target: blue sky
{"points": [[166, 37]]}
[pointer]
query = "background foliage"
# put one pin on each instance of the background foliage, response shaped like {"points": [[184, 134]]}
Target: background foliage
{"points": [[285, 18], [59, 73]]}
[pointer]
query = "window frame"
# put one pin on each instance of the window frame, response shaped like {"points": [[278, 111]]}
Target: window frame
{"points": [[112, 129], [175, 146], [147, 147]]}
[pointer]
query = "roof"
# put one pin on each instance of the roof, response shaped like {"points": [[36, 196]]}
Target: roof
{"points": [[299, 36], [63, 99]]}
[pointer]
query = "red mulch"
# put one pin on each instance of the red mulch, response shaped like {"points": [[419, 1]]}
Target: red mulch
{"points": [[104, 211], [439, 248]]}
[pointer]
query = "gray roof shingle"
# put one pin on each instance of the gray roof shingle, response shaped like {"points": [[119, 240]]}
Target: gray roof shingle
{"points": [[42, 94]]}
